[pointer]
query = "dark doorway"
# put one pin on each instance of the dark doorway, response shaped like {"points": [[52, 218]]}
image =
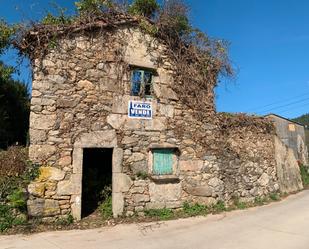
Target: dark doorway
{"points": [[97, 178]]}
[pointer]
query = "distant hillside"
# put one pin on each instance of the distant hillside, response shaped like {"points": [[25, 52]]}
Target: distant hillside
{"points": [[304, 119]]}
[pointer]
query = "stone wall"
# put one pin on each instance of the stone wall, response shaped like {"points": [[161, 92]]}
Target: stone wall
{"points": [[287, 168], [292, 135], [80, 98]]}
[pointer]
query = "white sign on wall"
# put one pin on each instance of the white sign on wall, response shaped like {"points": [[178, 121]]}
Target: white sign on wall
{"points": [[140, 109]]}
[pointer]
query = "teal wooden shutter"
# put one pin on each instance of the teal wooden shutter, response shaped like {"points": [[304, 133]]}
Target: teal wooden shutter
{"points": [[162, 162]]}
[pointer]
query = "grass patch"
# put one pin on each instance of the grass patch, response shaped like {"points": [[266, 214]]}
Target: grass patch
{"points": [[194, 209], [65, 221], [162, 214], [219, 207], [260, 201], [274, 196], [239, 204]]}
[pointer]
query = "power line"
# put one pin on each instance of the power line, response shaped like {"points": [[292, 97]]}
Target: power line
{"points": [[274, 103], [295, 107], [282, 106]]}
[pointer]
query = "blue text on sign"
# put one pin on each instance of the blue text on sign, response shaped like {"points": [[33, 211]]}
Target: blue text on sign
{"points": [[139, 109]]}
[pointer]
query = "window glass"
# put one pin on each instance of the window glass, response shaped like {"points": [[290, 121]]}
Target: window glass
{"points": [[141, 83], [163, 161], [136, 82], [148, 83]]}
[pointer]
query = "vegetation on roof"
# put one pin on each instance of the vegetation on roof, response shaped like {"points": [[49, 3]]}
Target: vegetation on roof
{"points": [[169, 21], [146, 8], [197, 59]]}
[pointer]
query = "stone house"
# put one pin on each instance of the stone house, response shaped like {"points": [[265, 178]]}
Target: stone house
{"points": [[104, 111], [292, 134]]}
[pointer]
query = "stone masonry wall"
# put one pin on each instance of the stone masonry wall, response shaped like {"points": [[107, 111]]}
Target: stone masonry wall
{"points": [[80, 98]]}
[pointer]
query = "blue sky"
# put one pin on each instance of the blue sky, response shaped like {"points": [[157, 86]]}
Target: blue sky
{"points": [[269, 47]]}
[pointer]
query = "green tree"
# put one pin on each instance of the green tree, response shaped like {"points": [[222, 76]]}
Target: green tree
{"points": [[14, 111], [14, 98], [93, 6], [6, 33], [174, 18], [303, 119], [147, 8]]}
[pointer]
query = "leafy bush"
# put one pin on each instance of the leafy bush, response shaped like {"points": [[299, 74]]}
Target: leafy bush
{"points": [[16, 171], [194, 209], [105, 208], [17, 199], [8, 218]]}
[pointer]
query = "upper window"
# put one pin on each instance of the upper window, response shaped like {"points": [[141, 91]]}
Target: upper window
{"points": [[141, 83]]}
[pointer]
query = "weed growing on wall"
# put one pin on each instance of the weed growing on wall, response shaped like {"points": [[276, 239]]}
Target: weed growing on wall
{"points": [[105, 208], [304, 175], [142, 175]]}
